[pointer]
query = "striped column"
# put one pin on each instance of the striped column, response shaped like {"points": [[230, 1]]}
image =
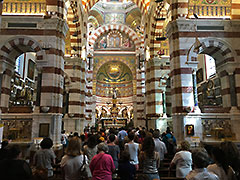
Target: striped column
{"points": [[155, 88], [179, 8], [139, 99], [75, 69], [181, 81], [235, 9], [90, 99], [55, 7]]}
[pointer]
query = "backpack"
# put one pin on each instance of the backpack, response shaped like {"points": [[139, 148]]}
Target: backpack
{"points": [[171, 145]]}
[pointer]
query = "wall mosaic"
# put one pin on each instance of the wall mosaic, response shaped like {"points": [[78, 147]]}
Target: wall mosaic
{"points": [[217, 128], [17, 129], [114, 74], [114, 40]]}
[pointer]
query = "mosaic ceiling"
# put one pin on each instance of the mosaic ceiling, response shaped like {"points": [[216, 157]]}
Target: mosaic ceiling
{"points": [[114, 72]]}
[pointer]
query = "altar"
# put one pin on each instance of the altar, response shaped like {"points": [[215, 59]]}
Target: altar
{"points": [[112, 122], [113, 114]]}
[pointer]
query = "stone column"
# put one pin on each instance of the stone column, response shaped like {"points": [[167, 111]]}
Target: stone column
{"points": [[182, 80]]}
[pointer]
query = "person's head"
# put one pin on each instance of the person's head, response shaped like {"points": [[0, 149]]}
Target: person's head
{"points": [[148, 146], [200, 158], [230, 149], [102, 147], [131, 136], [168, 130], [156, 134], [46, 143], [75, 134], [13, 151], [63, 131], [112, 137], [125, 156], [185, 145], [82, 137], [92, 141], [220, 158], [74, 146]]}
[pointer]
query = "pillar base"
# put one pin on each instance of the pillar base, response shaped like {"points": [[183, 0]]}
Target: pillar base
{"points": [[179, 126], [234, 110], [50, 124]]}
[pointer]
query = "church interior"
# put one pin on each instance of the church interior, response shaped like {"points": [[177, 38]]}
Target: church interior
{"points": [[68, 64]]}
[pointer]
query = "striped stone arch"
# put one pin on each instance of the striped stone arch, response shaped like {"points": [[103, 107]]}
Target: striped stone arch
{"points": [[74, 28], [213, 47], [142, 4], [11, 49], [119, 27], [156, 27]]}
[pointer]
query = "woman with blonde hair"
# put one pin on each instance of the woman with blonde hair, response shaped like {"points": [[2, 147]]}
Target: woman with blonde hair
{"points": [[73, 161], [182, 160]]}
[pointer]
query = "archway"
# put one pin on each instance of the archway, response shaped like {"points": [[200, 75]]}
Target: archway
{"points": [[114, 93]]}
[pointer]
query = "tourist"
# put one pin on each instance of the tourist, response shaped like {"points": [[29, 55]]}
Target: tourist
{"points": [[149, 159], [83, 141], [64, 138], [170, 142], [126, 170], [90, 149], [232, 155], [221, 167], [160, 146], [121, 136], [12, 167], [73, 160], [102, 165], [182, 160], [113, 150], [133, 149], [200, 162], [45, 157]]}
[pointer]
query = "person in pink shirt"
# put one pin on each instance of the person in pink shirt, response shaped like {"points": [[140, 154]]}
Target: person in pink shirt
{"points": [[102, 165]]}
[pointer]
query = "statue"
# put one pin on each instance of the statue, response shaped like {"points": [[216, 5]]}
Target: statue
{"points": [[114, 93]]}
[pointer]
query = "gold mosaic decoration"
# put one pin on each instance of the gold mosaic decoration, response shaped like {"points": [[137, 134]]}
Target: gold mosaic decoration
{"points": [[24, 6], [210, 7]]}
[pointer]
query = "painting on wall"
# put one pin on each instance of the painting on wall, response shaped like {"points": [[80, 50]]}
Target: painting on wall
{"points": [[199, 75], [43, 129], [114, 41], [31, 67]]}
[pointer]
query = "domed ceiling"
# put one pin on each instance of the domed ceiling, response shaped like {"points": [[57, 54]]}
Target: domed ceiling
{"points": [[114, 72]]}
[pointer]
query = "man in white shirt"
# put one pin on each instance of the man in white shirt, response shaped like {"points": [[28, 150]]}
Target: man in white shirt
{"points": [[160, 146]]}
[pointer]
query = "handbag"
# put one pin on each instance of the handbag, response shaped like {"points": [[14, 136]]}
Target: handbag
{"points": [[83, 170]]}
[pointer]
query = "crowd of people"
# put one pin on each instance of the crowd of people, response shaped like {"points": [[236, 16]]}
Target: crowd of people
{"points": [[130, 154]]}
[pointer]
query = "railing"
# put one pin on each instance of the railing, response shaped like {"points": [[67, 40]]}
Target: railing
{"points": [[24, 7], [210, 8]]}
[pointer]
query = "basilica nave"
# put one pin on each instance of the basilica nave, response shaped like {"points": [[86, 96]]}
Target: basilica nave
{"points": [[110, 63]]}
